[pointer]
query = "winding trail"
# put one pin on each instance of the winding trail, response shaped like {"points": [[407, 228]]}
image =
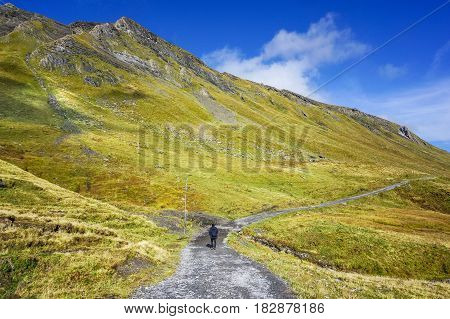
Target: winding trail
{"points": [[223, 273]]}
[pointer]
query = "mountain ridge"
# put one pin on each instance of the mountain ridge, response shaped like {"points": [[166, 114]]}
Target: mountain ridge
{"points": [[150, 39]]}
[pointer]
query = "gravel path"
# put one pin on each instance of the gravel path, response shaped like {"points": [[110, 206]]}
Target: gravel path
{"points": [[258, 217], [220, 273], [223, 273]]}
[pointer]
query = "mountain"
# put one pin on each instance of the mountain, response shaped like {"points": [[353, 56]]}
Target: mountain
{"points": [[112, 112], [73, 98]]}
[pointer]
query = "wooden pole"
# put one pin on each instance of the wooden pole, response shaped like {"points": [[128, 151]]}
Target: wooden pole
{"points": [[185, 205]]}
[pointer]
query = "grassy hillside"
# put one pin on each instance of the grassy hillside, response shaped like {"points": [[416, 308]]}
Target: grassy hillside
{"points": [[311, 281], [72, 108], [396, 235], [58, 244]]}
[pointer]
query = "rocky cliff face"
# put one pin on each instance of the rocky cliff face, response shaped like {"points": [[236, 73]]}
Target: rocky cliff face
{"points": [[12, 17], [81, 26]]}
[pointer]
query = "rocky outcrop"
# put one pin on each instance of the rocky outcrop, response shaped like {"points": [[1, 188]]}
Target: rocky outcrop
{"points": [[300, 99], [100, 78], [406, 133], [149, 66], [166, 50], [70, 57], [104, 31], [92, 80], [81, 26], [371, 122], [57, 55], [12, 17], [137, 31], [53, 61], [42, 30], [217, 110], [376, 124]]}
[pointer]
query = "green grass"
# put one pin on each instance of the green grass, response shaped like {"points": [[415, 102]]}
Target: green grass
{"points": [[433, 195], [311, 281], [384, 235], [388, 236], [59, 244]]}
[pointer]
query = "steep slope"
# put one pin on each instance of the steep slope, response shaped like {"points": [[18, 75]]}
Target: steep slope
{"points": [[12, 17], [113, 111]]}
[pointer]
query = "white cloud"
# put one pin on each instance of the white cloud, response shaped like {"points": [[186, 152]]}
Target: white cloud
{"points": [[391, 71], [425, 110], [290, 60], [440, 58], [293, 60]]}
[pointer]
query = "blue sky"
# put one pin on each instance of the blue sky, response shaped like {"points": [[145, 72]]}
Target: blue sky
{"points": [[299, 45]]}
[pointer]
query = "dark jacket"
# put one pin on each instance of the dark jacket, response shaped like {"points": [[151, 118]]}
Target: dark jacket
{"points": [[213, 232]]}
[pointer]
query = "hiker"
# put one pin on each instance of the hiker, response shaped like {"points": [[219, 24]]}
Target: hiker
{"points": [[213, 232]]}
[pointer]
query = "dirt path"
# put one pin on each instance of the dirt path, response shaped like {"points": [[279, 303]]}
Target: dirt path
{"points": [[223, 273], [220, 273], [258, 217]]}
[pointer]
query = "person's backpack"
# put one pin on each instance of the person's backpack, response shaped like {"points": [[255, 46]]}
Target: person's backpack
{"points": [[214, 232]]}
